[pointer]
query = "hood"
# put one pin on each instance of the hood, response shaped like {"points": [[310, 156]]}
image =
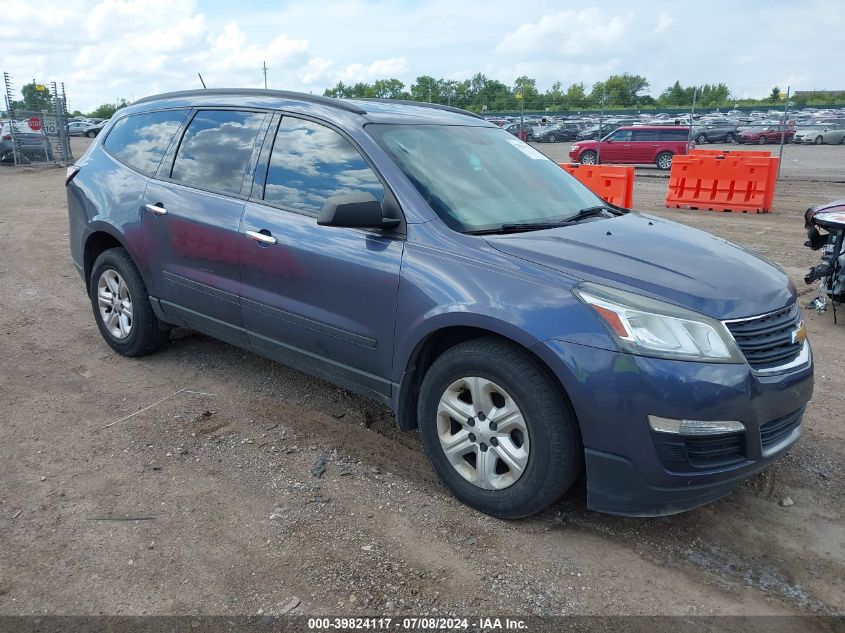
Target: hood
{"points": [[661, 259], [586, 142]]}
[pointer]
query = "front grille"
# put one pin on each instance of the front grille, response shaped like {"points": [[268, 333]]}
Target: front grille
{"points": [[766, 341], [684, 453], [774, 432]]}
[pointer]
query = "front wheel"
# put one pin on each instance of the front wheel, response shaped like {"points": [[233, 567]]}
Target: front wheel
{"points": [[701, 139], [498, 429], [122, 307], [664, 161], [762, 140], [730, 138], [552, 138], [819, 140], [589, 158]]}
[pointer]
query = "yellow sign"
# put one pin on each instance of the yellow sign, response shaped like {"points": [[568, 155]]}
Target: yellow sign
{"points": [[40, 87], [518, 96]]}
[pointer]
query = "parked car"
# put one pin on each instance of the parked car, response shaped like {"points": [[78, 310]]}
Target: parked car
{"points": [[825, 134], [427, 259], [762, 134], [79, 128], [555, 134], [96, 128], [716, 132], [593, 131], [641, 144], [34, 145]]}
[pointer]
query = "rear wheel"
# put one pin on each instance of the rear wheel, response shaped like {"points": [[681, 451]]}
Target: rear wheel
{"points": [[589, 158], [730, 138], [819, 140], [664, 161], [552, 138], [701, 139], [762, 140], [498, 429], [122, 306]]}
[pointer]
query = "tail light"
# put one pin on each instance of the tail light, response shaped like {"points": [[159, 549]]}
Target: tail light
{"points": [[7, 137], [71, 173]]}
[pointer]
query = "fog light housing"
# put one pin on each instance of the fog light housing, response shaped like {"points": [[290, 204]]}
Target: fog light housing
{"points": [[694, 427]]}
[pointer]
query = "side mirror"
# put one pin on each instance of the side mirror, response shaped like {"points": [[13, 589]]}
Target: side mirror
{"points": [[355, 210]]}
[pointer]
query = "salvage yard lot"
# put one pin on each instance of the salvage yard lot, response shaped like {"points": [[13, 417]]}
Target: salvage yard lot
{"points": [[215, 499]]}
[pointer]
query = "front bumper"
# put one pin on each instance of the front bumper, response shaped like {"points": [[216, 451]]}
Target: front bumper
{"points": [[627, 469]]}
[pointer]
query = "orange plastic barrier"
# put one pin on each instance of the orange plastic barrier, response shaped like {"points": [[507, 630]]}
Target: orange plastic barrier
{"points": [[729, 152], [723, 183], [613, 184]]}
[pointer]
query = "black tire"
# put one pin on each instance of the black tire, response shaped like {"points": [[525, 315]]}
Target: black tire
{"points": [[818, 141], [146, 334], [664, 161], [762, 140], [842, 140], [552, 138], [730, 138], [588, 158], [701, 139], [556, 453], [89, 134]]}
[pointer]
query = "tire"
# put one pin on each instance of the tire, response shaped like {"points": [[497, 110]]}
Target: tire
{"points": [[552, 138], [139, 332], [701, 139], [730, 138], [89, 134], [664, 161], [819, 140], [762, 140], [588, 158], [842, 140], [548, 447]]}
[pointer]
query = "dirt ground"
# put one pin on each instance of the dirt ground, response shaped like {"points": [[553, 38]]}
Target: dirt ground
{"points": [[206, 503]]}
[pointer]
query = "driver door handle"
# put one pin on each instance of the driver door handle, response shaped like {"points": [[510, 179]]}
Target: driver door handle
{"points": [[157, 209], [262, 238]]}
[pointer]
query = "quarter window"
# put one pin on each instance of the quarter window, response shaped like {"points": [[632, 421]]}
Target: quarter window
{"points": [[141, 140], [310, 163], [216, 148]]}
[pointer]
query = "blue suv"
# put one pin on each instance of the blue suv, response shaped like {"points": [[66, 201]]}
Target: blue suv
{"points": [[428, 259]]}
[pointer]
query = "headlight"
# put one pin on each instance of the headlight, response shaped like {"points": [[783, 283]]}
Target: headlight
{"points": [[574, 148], [649, 327]]}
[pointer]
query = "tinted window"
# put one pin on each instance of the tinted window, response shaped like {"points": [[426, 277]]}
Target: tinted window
{"points": [[216, 149], [311, 163], [141, 140], [646, 135], [621, 135], [673, 135]]}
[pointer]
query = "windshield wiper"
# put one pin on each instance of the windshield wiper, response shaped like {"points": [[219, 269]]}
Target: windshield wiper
{"points": [[592, 211], [518, 227]]}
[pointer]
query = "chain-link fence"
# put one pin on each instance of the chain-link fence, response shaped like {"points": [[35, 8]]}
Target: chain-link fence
{"points": [[30, 136]]}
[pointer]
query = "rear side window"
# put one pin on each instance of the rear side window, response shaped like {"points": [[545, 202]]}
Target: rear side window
{"points": [[673, 135], [216, 148], [140, 140], [646, 135], [310, 163]]}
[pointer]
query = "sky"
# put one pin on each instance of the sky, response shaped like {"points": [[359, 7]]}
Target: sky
{"points": [[104, 50]]}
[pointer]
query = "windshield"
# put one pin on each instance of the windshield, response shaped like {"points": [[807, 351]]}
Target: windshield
{"points": [[478, 178]]}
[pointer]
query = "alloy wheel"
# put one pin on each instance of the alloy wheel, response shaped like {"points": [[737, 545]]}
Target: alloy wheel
{"points": [[115, 304], [483, 433]]}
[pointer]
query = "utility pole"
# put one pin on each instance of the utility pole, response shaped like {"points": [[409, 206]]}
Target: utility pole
{"points": [[429, 91], [601, 124], [691, 118], [265, 75], [783, 129]]}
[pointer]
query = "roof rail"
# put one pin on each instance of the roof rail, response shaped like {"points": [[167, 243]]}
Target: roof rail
{"points": [[422, 104], [257, 92]]}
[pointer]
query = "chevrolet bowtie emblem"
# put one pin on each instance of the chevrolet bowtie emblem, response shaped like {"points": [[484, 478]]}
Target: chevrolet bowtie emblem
{"points": [[799, 334]]}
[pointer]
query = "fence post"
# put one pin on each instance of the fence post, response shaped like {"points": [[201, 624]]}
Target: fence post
{"points": [[783, 130]]}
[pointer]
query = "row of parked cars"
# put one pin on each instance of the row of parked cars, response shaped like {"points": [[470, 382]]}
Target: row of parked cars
{"points": [[34, 144], [805, 126]]}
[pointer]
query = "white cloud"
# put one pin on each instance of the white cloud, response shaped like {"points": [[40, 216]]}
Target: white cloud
{"points": [[108, 49]]}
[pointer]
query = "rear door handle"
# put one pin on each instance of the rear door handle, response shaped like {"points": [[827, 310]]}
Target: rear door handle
{"points": [[157, 208], [262, 238]]}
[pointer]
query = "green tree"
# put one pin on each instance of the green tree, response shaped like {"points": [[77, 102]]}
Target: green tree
{"points": [[775, 94], [426, 88], [107, 110], [389, 89], [621, 90], [36, 100], [576, 96]]}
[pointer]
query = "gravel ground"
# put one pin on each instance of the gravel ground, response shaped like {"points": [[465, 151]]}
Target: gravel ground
{"points": [[253, 488]]}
